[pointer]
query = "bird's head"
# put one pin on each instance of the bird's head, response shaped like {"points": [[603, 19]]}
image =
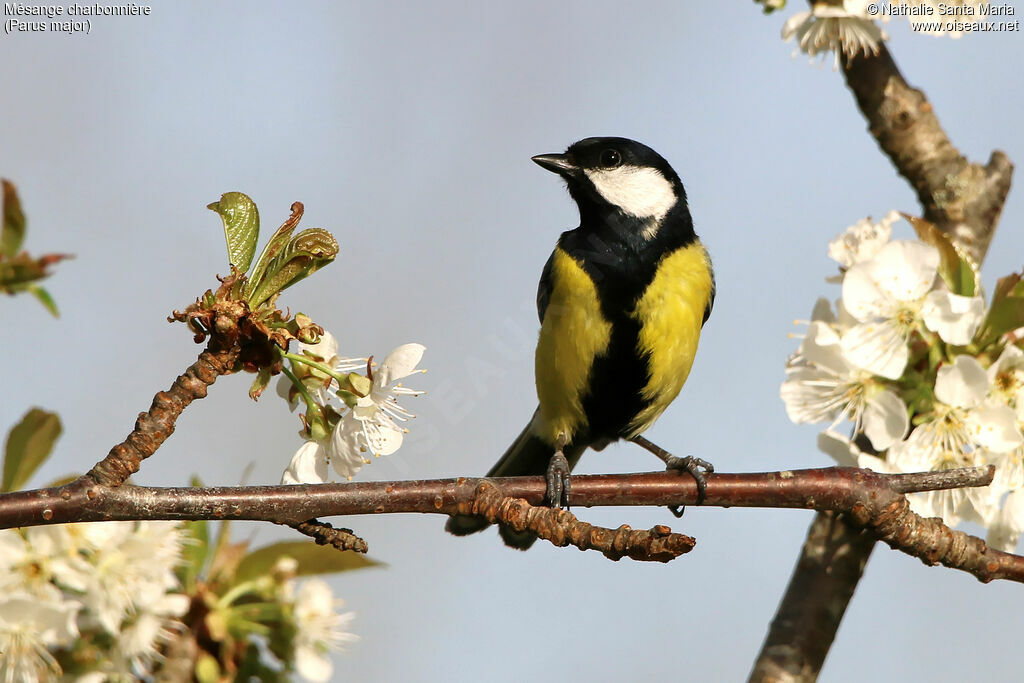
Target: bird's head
{"points": [[617, 175]]}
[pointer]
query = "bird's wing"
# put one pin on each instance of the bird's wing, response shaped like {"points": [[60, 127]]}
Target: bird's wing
{"points": [[711, 295], [544, 288]]}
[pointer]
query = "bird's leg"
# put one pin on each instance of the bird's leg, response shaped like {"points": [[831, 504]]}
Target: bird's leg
{"points": [[557, 493], [689, 464]]}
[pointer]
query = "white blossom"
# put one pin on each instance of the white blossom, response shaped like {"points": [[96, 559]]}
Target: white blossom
{"points": [[960, 431], [862, 240], [822, 386], [844, 27], [1005, 529], [374, 424], [890, 297], [29, 626], [131, 568], [320, 629]]}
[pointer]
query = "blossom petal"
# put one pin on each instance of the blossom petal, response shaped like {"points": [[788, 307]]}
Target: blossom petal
{"points": [[964, 384], [954, 317], [794, 22], [822, 311], [876, 347], [905, 270], [876, 464], [995, 428], [862, 298], [841, 449], [384, 440], [348, 447], [862, 240], [803, 397], [885, 419], [821, 347], [326, 348], [400, 363], [308, 465], [1005, 530]]}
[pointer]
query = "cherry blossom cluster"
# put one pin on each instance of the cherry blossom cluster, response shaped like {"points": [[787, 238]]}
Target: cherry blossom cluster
{"points": [[103, 593], [852, 27], [103, 601], [352, 408], [927, 376]]}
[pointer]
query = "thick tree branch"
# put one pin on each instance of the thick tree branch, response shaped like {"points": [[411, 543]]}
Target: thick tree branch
{"points": [[964, 200], [868, 500]]}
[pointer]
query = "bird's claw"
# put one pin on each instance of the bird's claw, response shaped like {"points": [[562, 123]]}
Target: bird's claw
{"points": [[557, 493], [693, 465]]}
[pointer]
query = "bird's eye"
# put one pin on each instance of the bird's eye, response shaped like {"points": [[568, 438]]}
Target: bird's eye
{"points": [[610, 158]]}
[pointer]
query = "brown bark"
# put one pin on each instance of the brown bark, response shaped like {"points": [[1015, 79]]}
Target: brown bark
{"points": [[868, 500]]}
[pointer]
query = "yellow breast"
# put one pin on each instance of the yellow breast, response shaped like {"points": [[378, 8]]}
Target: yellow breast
{"points": [[573, 333], [670, 313]]}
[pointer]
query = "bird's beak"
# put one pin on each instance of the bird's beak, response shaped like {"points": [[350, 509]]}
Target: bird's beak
{"points": [[562, 164]]}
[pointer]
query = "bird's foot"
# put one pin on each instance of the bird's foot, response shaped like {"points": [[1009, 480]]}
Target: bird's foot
{"points": [[693, 465], [690, 464], [557, 493]]}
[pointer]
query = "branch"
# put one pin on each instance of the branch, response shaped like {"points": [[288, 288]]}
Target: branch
{"points": [[868, 500], [153, 427], [962, 199]]}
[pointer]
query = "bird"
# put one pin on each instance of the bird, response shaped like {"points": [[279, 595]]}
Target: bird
{"points": [[622, 301]]}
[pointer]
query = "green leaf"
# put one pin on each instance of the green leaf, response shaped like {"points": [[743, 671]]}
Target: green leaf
{"points": [[277, 242], [260, 383], [305, 254], [1006, 312], [194, 553], [12, 233], [955, 270], [45, 299], [28, 446], [61, 481], [312, 559], [241, 227]]}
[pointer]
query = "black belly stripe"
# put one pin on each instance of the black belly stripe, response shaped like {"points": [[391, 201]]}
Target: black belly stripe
{"points": [[616, 381]]}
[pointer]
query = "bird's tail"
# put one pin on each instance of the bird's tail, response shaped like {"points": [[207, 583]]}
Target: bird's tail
{"points": [[527, 456]]}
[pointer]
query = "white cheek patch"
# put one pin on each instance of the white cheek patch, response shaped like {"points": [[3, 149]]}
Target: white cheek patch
{"points": [[640, 192]]}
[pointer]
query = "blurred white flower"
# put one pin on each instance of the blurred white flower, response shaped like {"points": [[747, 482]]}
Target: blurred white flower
{"points": [[152, 626], [36, 562], [960, 432], [843, 26], [821, 386], [862, 240], [28, 627], [320, 629], [132, 568], [1006, 377], [1005, 529]]}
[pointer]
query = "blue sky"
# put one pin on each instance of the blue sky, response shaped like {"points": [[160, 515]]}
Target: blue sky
{"points": [[407, 132]]}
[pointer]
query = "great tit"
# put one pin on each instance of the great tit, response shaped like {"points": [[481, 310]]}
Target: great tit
{"points": [[622, 301]]}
